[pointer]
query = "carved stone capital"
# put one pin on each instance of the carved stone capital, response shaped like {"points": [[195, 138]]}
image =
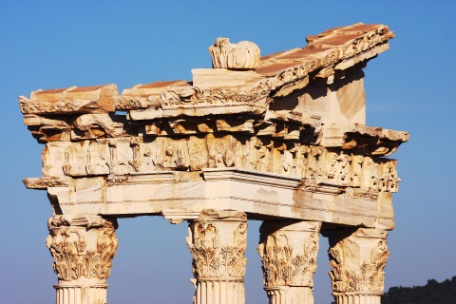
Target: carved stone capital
{"points": [[82, 248], [217, 241], [357, 258], [288, 250]]}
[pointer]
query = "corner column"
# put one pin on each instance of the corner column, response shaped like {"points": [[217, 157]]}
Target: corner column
{"points": [[357, 258], [217, 241], [82, 248], [288, 251]]}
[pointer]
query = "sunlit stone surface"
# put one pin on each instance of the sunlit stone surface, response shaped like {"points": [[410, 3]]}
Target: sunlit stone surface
{"points": [[282, 138]]}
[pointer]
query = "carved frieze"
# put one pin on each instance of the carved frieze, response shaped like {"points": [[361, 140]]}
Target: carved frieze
{"points": [[146, 96], [82, 248], [196, 102], [217, 241], [130, 155]]}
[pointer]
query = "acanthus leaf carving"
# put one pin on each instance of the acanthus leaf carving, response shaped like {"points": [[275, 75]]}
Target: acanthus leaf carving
{"points": [[218, 244], [357, 260], [82, 248], [288, 251]]}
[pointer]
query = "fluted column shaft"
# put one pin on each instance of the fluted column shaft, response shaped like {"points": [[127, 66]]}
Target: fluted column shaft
{"points": [[82, 248], [288, 250], [217, 241], [357, 258]]}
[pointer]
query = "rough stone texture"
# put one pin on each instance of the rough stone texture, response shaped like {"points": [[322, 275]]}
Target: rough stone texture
{"points": [[217, 241], [244, 55], [288, 250], [282, 137], [82, 248], [357, 258]]}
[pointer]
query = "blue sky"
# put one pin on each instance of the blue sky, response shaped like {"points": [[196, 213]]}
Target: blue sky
{"points": [[53, 44]]}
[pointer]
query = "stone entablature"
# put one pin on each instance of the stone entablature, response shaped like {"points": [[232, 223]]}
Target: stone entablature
{"points": [[280, 138]]}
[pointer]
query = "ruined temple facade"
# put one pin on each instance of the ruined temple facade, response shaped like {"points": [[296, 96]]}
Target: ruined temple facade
{"points": [[281, 138]]}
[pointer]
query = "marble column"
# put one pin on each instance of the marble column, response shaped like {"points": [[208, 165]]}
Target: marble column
{"points": [[217, 241], [288, 250], [357, 258], [82, 248]]}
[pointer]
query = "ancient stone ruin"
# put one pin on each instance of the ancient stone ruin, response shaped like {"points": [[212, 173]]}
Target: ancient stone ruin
{"points": [[282, 139]]}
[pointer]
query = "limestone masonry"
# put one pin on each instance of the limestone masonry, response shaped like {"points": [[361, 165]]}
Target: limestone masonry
{"points": [[281, 138]]}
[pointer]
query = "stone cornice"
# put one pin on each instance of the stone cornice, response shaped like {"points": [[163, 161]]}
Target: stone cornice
{"points": [[332, 50]]}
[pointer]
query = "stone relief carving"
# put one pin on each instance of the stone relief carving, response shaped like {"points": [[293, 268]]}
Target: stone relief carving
{"points": [[96, 125], [218, 243], [314, 165], [96, 99], [289, 253], [191, 97], [28, 107], [82, 249], [244, 55], [124, 103], [357, 261]]}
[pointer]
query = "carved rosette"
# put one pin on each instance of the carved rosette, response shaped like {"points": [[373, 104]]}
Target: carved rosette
{"points": [[217, 241], [357, 258], [83, 249], [288, 251]]}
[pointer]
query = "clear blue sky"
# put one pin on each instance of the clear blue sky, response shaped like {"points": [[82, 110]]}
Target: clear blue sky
{"points": [[52, 44]]}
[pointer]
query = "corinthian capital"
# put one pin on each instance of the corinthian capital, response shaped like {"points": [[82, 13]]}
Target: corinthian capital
{"points": [[357, 258], [82, 248], [288, 250], [217, 241]]}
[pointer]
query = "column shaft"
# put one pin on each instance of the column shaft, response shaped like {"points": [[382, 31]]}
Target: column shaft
{"points": [[217, 241], [288, 250], [80, 294]]}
